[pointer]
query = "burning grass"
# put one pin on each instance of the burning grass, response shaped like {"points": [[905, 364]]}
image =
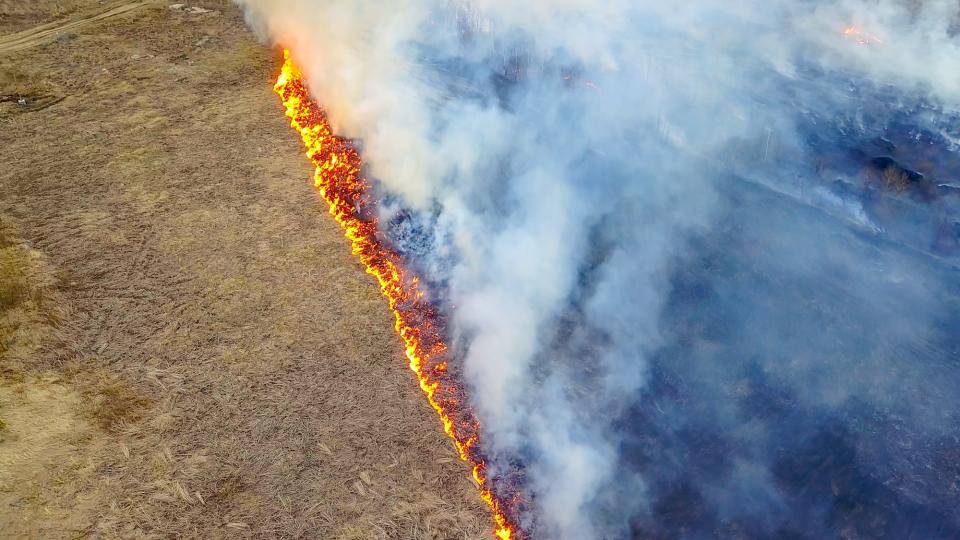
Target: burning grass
{"points": [[232, 371], [339, 179]]}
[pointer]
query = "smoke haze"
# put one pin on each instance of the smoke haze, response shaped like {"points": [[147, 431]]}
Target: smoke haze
{"points": [[698, 261]]}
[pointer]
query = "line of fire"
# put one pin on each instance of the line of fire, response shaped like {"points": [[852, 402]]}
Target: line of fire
{"points": [[339, 179]]}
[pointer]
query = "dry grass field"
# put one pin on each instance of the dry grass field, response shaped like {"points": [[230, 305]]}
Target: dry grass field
{"points": [[187, 347]]}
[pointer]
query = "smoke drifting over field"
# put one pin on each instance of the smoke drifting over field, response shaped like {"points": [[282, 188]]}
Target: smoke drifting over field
{"points": [[698, 260]]}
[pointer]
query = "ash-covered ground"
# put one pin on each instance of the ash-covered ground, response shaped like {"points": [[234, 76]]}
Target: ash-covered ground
{"points": [[808, 385], [805, 384]]}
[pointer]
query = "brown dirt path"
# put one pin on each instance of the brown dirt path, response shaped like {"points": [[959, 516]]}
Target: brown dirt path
{"points": [[218, 364], [50, 31]]}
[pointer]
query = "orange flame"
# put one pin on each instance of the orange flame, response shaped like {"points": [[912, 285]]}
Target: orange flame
{"points": [[862, 37], [339, 179]]}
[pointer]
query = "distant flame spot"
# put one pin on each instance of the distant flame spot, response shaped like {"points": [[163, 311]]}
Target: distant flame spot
{"points": [[860, 36]]}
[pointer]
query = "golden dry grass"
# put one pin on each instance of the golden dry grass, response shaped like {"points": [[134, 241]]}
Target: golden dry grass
{"points": [[227, 367], [26, 306], [45, 438], [14, 288]]}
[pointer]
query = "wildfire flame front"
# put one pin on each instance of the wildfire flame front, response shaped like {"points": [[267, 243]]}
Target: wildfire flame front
{"points": [[339, 179]]}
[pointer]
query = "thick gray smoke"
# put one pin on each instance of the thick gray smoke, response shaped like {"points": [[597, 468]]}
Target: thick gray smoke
{"points": [[665, 306]]}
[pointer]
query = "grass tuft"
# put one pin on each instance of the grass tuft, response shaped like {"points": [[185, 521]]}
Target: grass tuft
{"points": [[15, 288], [116, 406], [27, 303]]}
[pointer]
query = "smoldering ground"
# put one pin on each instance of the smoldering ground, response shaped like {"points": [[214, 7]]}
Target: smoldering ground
{"points": [[698, 262]]}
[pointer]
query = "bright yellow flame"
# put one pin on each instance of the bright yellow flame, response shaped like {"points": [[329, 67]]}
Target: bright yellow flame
{"points": [[339, 180]]}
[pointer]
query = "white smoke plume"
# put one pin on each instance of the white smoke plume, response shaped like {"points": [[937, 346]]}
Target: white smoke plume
{"points": [[566, 157]]}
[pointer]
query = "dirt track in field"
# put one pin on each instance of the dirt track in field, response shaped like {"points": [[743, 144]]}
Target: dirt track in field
{"points": [[41, 34], [188, 347]]}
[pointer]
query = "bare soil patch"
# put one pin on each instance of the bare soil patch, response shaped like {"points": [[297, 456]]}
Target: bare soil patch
{"points": [[189, 348]]}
